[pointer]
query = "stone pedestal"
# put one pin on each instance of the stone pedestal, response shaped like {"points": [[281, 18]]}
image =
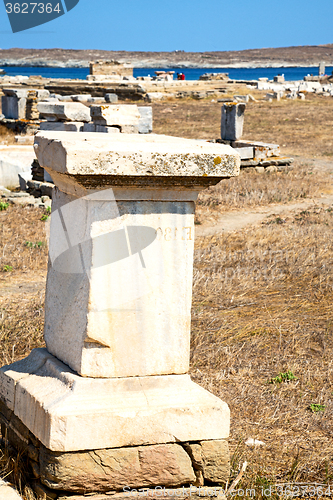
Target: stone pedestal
{"points": [[232, 120], [113, 381]]}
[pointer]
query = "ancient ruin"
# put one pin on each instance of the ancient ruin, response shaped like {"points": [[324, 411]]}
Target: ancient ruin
{"points": [[109, 404]]}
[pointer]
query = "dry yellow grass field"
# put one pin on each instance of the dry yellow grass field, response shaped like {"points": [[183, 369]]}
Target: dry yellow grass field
{"points": [[262, 301]]}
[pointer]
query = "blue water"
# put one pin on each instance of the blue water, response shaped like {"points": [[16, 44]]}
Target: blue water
{"points": [[190, 73]]}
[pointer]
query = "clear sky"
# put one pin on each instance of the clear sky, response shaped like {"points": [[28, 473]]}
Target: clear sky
{"points": [[190, 25]]}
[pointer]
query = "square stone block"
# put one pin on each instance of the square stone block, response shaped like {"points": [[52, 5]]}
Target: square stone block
{"points": [[67, 412]]}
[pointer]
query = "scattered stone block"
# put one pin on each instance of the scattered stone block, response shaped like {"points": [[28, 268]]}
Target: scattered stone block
{"points": [[25, 140], [154, 96], [62, 126], [146, 119], [14, 108], [261, 150], [14, 160], [241, 98], [232, 121], [107, 130], [24, 177], [69, 111], [111, 98], [124, 116], [81, 97], [89, 127], [259, 170], [246, 152], [95, 100]]}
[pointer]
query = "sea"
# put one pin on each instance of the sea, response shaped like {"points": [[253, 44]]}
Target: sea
{"points": [[290, 74]]}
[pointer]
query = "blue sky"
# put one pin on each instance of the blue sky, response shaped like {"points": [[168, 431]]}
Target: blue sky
{"points": [[190, 25]]}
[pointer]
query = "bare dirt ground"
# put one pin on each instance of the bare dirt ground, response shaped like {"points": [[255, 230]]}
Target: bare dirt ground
{"points": [[262, 296]]}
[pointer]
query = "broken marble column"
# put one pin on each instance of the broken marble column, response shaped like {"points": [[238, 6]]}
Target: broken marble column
{"points": [[112, 387], [146, 119], [232, 120], [126, 117]]}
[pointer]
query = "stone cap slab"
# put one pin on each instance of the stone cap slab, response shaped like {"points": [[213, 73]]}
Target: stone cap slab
{"points": [[139, 158]]}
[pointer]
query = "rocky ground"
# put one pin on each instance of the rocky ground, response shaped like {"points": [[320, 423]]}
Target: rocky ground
{"points": [[268, 57]]}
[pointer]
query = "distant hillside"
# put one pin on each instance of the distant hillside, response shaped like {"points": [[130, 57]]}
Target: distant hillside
{"points": [[279, 57]]}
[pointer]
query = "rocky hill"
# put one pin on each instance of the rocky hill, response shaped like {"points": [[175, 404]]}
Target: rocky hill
{"points": [[276, 57]]}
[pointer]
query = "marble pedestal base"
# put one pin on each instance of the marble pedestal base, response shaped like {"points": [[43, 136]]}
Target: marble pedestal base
{"points": [[93, 435], [67, 412]]}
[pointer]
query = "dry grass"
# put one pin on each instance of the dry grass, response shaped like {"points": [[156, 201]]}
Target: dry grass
{"points": [[263, 305], [300, 127], [7, 136], [252, 189], [21, 307], [22, 239], [262, 299]]}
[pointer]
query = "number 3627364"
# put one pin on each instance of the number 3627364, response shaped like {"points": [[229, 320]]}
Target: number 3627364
{"points": [[31, 8]]}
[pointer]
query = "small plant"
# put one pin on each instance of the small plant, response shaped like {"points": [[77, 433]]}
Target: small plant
{"points": [[315, 407], [30, 244], [3, 205], [283, 377], [7, 269], [48, 210], [44, 218]]}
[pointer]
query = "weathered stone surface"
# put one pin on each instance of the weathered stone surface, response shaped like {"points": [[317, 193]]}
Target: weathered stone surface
{"points": [[146, 119], [232, 120], [147, 155], [14, 107], [241, 98], [23, 92], [216, 460], [62, 126], [154, 96], [211, 458], [260, 149], [13, 161], [112, 98], [113, 469], [67, 111], [7, 492], [89, 127], [245, 153], [107, 130], [81, 97], [86, 335], [116, 115], [67, 412]]}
